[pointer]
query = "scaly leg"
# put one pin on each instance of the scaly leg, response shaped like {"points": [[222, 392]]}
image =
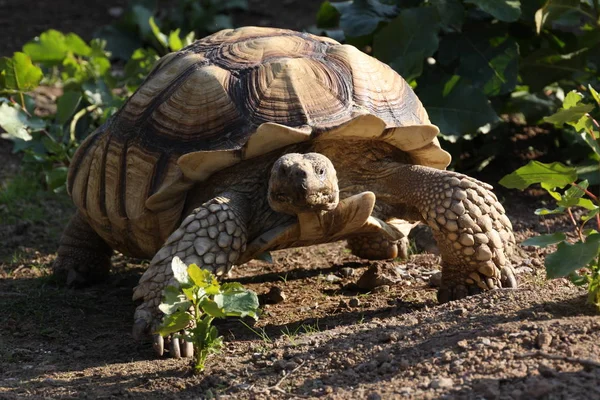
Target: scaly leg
{"points": [[377, 246], [213, 236], [83, 256]]}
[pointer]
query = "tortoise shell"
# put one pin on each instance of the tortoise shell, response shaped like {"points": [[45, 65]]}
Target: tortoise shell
{"points": [[232, 96]]}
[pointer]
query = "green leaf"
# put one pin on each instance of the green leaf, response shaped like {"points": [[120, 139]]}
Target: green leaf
{"points": [[204, 279], [554, 175], [545, 66], [52, 47], [572, 114], [552, 10], [545, 211], [545, 240], [571, 257], [593, 143], [161, 37], [571, 99], [451, 14], [490, 62], [175, 41], [56, 179], [173, 301], [327, 16], [595, 94], [573, 194], [408, 40], [67, 105], [180, 271], [361, 17], [211, 308], [240, 304], [593, 212], [174, 323], [18, 73], [463, 110], [14, 121], [503, 10]]}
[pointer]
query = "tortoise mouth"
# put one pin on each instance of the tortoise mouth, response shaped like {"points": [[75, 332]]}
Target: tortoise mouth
{"points": [[294, 203]]}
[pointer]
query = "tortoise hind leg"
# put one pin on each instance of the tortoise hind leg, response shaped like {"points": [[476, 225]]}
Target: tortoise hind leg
{"points": [[83, 256], [377, 246]]}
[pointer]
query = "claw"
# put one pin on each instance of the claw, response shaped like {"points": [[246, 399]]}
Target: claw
{"points": [[508, 278], [174, 348], [140, 328], [159, 345], [187, 348]]}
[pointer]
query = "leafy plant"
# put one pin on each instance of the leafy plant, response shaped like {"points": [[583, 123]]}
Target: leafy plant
{"points": [[471, 61], [192, 305], [584, 253]]}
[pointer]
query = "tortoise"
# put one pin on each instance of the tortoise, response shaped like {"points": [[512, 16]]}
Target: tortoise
{"points": [[258, 139]]}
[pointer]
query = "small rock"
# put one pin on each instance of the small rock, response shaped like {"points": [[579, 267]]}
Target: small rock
{"points": [[524, 270], [546, 371], [463, 344], [342, 304], [435, 280], [404, 364], [441, 383], [354, 302], [379, 274], [383, 288], [543, 340], [486, 341], [275, 295], [373, 396], [347, 272], [331, 278], [390, 338], [460, 311]]}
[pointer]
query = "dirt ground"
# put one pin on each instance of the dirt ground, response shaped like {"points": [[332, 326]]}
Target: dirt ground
{"points": [[327, 339]]}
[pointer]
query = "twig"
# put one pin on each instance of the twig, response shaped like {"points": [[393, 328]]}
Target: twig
{"points": [[284, 377], [540, 354], [577, 229]]}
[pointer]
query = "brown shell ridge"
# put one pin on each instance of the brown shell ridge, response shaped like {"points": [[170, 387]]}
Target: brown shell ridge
{"points": [[81, 154]]}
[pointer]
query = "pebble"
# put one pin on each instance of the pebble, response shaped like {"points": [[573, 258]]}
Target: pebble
{"points": [[354, 302], [332, 278], [373, 396], [275, 295], [486, 341], [543, 340], [441, 383], [347, 272], [463, 344]]}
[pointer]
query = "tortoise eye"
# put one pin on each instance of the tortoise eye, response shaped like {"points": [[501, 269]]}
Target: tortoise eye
{"points": [[321, 171]]}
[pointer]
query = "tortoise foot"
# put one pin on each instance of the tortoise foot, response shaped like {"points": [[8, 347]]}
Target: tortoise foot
{"points": [[456, 287]]}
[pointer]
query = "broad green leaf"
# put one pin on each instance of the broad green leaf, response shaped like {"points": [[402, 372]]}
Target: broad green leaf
{"points": [[232, 287], [53, 46], [573, 194], [361, 17], [18, 73], [489, 62], [545, 66], [571, 257], [572, 99], [119, 42], [504, 10], [587, 204], [451, 14], [211, 308], [204, 279], [67, 105], [573, 114], [593, 143], [545, 211], [161, 37], [173, 301], [545, 240], [175, 41], [174, 323], [238, 303], [14, 121], [56, 179], [555, 175], [180, 271], [327, 16], [582, 125], [595, 94], [463, 110], [552, 10], [408, 40]]}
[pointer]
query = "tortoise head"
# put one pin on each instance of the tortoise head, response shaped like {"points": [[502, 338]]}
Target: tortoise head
{"points": [[303, 182]]}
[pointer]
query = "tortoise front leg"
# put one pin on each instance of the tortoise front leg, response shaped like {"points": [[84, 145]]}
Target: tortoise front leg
{"points": [[213, 236], [83, 256], [474, 235]]}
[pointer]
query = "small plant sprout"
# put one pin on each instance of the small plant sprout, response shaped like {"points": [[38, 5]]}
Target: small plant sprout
{"points": [[192, 305], [578, 259]]}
